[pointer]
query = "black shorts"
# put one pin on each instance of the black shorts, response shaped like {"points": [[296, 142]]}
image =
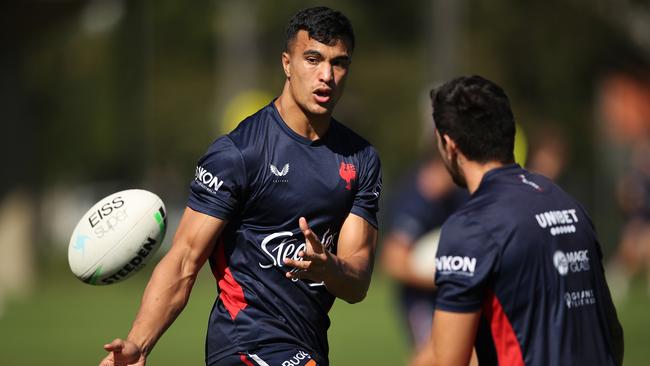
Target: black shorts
{"points": [[269, 356]]}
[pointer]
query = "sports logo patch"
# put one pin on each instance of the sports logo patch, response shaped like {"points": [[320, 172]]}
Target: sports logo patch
{"points": [[280, 173], [207, 180], [576, 261], [456, 264], [348, 173]]}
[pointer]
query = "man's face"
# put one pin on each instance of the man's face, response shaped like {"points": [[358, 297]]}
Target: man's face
{"points": [[316, 73], [450, 159]]}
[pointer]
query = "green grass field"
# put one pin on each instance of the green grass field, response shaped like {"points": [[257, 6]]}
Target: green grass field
{"points": [[66, 322]]}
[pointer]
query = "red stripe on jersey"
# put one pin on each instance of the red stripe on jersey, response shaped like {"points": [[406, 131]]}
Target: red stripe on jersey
{"points": [[232, 294], [504, 338], [245, 360]]}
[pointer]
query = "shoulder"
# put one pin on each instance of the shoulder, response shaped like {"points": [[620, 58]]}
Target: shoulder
{"points": [[459, 225], [223, 146], [252, 128], [465, 230], [222, 159], [346, 138]]}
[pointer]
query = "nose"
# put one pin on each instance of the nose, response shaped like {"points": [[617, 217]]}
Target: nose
{"points": [[326, 72]]}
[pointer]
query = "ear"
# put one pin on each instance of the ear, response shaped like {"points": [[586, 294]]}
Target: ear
{"points": [[286, 60], [449, 146]]}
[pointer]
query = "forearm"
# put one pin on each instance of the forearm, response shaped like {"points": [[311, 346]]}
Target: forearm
{"points": [[349, 278], [345, 274], [164, 298]]}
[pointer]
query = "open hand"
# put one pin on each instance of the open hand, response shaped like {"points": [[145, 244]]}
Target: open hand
{"points": [[123, 353], [314, 262]]}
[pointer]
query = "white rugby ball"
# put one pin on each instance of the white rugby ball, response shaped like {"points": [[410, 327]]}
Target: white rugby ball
{"points": [[423, 256], [117, 237]]}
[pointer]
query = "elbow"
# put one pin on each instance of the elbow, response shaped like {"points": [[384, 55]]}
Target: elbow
{"points": [[354, 300], [356, 296]]}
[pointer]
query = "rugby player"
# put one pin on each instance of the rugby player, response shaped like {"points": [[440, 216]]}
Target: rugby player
{"points": [[421, 205], [519, 267], [284, 209]]}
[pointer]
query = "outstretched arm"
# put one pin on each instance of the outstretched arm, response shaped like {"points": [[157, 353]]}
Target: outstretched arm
{"points": [[397, 251], [168, 289], [346, 274]]}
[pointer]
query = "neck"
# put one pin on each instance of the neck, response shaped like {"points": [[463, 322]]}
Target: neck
{"points": [[474, 172], [300, 121]]}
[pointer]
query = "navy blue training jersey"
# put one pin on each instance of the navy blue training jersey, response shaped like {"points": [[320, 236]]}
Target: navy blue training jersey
{"points": [[526, 254], [261, 178]]}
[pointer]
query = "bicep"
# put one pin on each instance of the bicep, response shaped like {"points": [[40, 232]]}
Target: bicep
{"points": [[453, 336], [195, 238], [357, 238]]}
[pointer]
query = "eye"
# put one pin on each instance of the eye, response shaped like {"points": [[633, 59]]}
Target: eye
{"points": [[312, 60], [341, 63]]}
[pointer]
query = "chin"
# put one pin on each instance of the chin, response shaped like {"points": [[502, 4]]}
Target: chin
{"points": [[320, 110]]}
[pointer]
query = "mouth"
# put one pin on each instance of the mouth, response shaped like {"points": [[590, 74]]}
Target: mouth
{"points": [[322, 95]]}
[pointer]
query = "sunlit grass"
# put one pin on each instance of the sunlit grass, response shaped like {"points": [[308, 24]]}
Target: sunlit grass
{"points": [[66, 322]]}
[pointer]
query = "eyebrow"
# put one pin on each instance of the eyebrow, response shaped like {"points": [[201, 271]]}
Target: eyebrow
{"points": [[317, 53], [312, 53]]}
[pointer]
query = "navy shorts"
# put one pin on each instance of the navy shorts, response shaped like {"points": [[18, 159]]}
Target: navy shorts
{"points": [[269, 356]]}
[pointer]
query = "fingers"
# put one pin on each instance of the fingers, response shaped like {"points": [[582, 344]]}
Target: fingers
{"points": [[116, 346], [298, 264], [300, 275], [310, 262], [311, 240], [302, 271], [302, 222], [107, 361], [110, 359]]}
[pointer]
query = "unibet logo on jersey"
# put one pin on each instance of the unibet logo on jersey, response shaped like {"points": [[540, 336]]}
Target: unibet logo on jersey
{"points": [[559, 222], [456, 265]]}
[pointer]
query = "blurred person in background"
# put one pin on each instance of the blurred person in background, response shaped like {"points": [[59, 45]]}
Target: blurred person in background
{"points": [[519, 267], [633, 194], [548, 152], [421, 204], [625, 109], [284, 208]]}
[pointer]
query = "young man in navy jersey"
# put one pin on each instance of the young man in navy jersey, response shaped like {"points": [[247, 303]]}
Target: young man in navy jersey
{"points": [[519, 268], [284, 209]]}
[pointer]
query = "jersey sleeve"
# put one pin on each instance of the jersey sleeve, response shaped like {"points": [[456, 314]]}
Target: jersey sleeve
{"points": [[467, 256], [218, 181], [366, 201]]}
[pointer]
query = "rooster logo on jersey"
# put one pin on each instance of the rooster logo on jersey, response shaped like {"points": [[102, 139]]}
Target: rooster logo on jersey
{"points": [[348, 173]]}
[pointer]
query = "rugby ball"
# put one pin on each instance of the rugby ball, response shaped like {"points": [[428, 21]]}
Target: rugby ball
{"points": [[423, 255], [117, 237]]}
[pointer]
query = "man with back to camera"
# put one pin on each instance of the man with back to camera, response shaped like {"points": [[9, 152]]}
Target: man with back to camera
{"points": [[518, 267], [284, 208]]}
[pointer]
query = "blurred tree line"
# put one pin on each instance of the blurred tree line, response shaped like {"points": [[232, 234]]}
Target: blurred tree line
{"points": [[133, 92]]}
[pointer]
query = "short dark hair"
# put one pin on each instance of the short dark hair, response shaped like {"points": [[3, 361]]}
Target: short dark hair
{"points": [[322, 24], [476, 114]]}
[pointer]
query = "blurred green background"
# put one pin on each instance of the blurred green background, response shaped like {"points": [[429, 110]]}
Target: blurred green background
{"points": [[103, 95]]}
